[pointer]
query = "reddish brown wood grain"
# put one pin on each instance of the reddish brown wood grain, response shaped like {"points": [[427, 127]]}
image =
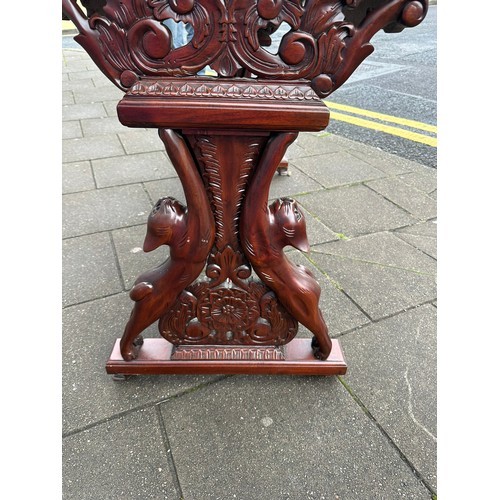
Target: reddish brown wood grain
{"points": [[228, 288], [155, 359]]}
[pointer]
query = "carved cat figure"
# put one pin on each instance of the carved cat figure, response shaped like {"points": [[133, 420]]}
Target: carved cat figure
{"points": [[190, 235], [266, 231]]}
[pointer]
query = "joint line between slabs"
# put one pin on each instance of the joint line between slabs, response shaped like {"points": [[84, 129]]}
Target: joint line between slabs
{"points": [[168, 450]]}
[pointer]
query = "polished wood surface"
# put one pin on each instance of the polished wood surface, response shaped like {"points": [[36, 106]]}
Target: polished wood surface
{"points": [[155, 358], [227, 288]]}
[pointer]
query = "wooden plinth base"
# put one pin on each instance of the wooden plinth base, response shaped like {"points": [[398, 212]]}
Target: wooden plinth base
{"points": [[155, 359]]}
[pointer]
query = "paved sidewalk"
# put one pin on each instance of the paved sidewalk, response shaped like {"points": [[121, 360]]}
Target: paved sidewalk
{"points": [[370, 434]]}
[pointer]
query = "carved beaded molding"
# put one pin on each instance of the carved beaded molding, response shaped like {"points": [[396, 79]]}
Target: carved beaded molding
{"points": [[326, 42]]}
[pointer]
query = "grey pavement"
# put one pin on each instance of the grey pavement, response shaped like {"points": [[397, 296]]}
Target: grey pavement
{"points": [[370, 434]]}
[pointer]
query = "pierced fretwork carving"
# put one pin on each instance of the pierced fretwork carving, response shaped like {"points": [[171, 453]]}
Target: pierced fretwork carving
{"points": [[327, 41]]}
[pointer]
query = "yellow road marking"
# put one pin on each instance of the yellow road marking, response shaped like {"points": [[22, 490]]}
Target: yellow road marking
{"points": [[388, 129], [67, 25], [380, 116]]}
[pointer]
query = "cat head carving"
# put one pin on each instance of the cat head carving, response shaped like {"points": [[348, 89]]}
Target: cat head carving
{"points": [[164, 223], [290, 221]]}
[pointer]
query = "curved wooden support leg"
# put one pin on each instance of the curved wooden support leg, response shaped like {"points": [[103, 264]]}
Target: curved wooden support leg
{"points": [[265, 231], [190, 235]]}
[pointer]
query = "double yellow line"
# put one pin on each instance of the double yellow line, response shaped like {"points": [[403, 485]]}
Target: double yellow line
{"points": [[430, 140]]}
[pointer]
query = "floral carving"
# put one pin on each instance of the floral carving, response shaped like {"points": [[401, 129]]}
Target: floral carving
{"points": [[226, 308], [221, 310], [228, 315]]}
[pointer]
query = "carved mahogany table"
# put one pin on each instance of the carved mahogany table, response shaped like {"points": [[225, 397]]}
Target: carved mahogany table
{"points": [[228, 300]]}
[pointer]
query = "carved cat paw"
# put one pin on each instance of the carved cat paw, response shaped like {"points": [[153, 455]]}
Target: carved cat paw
{"points": [[130, 350], [318, 352]]}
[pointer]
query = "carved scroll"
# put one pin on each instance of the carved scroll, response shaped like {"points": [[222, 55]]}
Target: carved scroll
{"points": [[226, 137], [327, 41]]}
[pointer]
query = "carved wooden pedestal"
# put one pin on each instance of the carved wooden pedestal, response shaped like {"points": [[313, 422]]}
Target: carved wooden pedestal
{"points": [[227, 230], [228, 300]]}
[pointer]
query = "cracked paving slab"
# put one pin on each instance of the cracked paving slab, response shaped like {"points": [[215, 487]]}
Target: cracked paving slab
{"points": [[393, 371], [237, 439]]}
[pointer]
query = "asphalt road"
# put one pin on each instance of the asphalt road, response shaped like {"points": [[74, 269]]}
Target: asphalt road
{"points": [[399, 80]]}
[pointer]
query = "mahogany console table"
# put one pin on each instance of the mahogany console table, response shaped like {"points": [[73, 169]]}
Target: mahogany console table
{"points": [[228, 300]]}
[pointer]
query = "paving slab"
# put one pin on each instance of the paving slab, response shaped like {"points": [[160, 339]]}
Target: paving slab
{"points": [[355, 210], [340, 313], [386, 162], [381, 248], [129, 169], [317, 232], [140, 140], [165, 187], [124, 458], [89, 268], [293, 184], [282, 437], [85, 74], [316, 143], [90, 395], [100, 80], [91, 148], [106, 93], [72, 85], [131, 258], [295, 150], [72, 130], [110, 107], [337, 169], [82, 111], [422, 236], [426, 244], [104, 209], [67, 97], [413, 200], [379, 290], [427, 228], [77, 177], [74, 65], [102, 125], [71, 54], [393, 372], [424, 179]]}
